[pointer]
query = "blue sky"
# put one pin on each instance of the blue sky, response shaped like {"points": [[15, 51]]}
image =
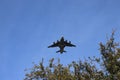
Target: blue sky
{"points": [[27, 27]]}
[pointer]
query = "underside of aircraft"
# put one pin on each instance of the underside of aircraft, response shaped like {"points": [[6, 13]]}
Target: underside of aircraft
{"points": [[61, 44]]}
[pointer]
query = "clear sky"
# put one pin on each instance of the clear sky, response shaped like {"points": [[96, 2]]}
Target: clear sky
{"points": [[27, 27]]}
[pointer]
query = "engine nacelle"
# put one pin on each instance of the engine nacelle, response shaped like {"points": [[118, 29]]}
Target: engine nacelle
{"points": [[53, 42], [70, 42]]}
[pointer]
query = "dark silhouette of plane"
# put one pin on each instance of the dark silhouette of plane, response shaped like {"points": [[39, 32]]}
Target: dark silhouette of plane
{"points": [[61, 44]]}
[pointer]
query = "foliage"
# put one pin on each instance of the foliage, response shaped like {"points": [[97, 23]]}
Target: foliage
{"points": [[109, 66]]}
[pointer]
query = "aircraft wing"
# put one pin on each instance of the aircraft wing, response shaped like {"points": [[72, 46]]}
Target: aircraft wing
{"points": [[54, 45], [69, 44]]}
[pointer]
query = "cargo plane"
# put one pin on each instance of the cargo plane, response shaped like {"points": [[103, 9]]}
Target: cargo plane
{"points": [[62, 44]]}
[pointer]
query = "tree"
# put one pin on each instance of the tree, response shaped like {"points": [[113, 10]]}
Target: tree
{"points": [[109, 64]]}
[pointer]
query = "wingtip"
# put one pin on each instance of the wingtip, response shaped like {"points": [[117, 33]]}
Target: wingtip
{"points": [[74, 45]]}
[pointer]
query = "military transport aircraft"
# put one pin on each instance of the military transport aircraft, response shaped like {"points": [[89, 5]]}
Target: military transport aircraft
{"points": [[61, 44]]}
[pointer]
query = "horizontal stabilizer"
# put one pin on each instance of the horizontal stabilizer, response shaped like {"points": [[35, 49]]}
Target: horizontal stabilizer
{"points": [[60, 51]]}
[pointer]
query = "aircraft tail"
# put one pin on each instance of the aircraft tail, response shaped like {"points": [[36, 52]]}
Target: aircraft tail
{"points": [[60, 51]]}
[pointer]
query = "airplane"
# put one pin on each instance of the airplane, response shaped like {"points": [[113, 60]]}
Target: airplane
{"points": [[61, 44]]}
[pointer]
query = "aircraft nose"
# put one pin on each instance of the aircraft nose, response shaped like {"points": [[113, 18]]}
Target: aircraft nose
{"points": [[62, 38]]}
